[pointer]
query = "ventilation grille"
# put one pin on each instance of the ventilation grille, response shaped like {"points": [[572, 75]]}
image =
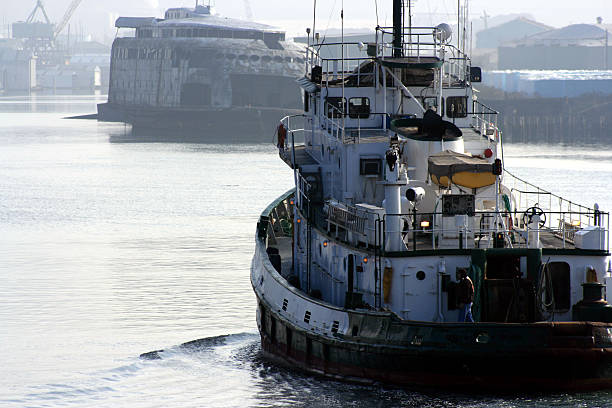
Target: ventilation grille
{"points": [[335, 326]]}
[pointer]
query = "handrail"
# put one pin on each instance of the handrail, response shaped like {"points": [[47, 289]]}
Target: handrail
{"points": [[545, 192], [485, 120], [479, 230]]}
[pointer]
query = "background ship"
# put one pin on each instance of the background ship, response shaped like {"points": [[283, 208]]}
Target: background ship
{"points": [[197, 71]]}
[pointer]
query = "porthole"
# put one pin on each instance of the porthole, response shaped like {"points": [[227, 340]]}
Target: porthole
{"points": [[482, 338], [420, 275], [254, 58]]}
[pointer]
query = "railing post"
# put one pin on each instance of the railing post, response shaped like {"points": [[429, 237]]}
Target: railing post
{"points": [[414, 228]]}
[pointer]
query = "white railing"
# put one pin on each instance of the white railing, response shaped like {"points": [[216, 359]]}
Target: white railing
{"points": [[489, 229], [565, 212], [334, 121], [484, 120]]}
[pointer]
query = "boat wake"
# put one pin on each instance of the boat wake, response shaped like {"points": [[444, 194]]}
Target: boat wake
{"points": [[193, 346], [230, 371]]}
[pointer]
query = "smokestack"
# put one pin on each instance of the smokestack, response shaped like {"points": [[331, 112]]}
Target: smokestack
{"points": [[397, 28]]}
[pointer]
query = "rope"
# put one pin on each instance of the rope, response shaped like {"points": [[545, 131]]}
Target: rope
{"points": [[546, 287]]}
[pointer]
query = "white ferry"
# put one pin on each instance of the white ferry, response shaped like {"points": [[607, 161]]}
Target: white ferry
{"points": [[197, 71]]}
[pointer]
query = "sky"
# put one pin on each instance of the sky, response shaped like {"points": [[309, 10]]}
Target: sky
{"points": [[97, 17]]}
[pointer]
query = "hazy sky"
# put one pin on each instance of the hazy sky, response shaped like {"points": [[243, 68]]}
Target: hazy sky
{"points": [[98, 16]]}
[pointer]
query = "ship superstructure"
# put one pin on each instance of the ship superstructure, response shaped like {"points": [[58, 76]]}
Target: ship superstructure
{"points": [[400, 191], [195, 69]]}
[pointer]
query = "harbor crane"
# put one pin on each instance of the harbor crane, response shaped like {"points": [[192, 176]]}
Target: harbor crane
{"points": [[69, 12], [39, 6], [51, 31], [247, 10]]}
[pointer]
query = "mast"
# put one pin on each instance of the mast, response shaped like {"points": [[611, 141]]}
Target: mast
{"points": [[397, 28]]}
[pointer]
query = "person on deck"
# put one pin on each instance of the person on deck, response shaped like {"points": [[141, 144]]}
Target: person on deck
{"points": [[465, 296], [282, 136]]}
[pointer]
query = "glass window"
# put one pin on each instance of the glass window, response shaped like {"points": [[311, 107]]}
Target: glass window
{"points": [[456, 106], [359, 108], [432, 102], [335, 106]]}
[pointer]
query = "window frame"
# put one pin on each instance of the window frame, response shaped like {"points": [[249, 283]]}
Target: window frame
{"points": [[457, 114], [359, 114]]}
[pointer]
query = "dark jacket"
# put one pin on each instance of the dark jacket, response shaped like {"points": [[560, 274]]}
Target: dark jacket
{"points": [[465, 291]]}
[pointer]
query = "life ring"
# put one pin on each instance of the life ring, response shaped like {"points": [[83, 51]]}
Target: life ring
{"points": [[282, 135]]}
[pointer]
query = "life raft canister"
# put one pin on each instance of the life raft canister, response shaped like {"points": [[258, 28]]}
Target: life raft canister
{"points": [[282, 135]]}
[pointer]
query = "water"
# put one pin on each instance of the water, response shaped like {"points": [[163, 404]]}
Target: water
{"points": [[110, 249]]}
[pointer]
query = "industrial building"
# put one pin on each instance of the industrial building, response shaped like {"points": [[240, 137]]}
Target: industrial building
{"points": [[17, 70], [38, 58], [550, 84], [575, 47], [519, 28]]}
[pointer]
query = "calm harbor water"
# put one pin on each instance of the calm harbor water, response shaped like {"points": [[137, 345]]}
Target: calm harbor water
{"points": [[110, 248]]}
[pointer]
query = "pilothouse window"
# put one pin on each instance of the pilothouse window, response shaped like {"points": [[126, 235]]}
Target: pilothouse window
{"points": [[335, 106], [359, 108], [456, 106]]}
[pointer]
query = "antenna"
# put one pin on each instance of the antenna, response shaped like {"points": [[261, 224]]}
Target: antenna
{"points": [[344, 105], [314, 20], [397, 28], [485, 18]]}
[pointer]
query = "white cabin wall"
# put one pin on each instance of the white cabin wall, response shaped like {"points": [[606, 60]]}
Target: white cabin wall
{"points": [[329, 272], [415, 299], [578, 267], [417, 153]]}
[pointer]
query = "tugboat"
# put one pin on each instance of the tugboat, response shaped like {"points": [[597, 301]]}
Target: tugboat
{"points": [[196, 71], [407, 254]]}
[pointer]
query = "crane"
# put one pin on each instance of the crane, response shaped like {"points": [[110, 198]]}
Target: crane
{"points": [[247, 10], [71, 8], [39, 6]]}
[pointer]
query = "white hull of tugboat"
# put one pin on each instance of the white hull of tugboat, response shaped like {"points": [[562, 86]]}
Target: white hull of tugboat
{"points": [[369, 346], [404, 220]]}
